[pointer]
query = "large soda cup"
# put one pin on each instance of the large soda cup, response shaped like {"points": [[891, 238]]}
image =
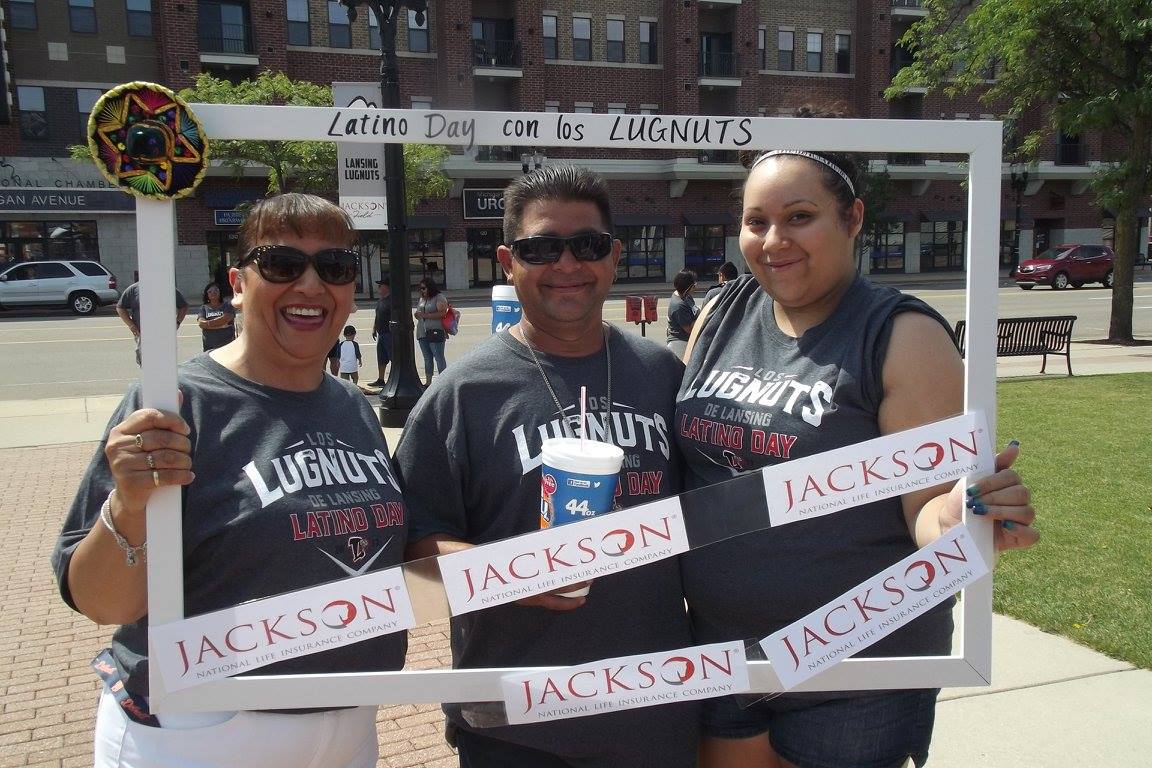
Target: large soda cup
{"points": [[577, 481], [505, 307]]}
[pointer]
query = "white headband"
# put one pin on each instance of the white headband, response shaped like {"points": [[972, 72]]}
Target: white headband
{"points": [[811, 156]]}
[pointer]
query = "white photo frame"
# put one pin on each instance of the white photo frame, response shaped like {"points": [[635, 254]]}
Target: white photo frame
{"points": [[970, 663]]}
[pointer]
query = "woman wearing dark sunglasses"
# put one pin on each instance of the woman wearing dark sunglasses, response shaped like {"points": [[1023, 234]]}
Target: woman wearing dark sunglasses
{"points": [[263, 445], [430, 332]]}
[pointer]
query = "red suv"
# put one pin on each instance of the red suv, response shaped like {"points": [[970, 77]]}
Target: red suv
{"points": [[1067, 265]]}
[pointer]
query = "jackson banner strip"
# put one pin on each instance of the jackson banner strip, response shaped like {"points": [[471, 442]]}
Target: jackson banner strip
{"points": [[626, 682], [941, 452], [508, 570], [874, 609], [252, 635]]}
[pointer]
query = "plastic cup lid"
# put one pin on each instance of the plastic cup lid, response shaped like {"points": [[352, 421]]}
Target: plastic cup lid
{"points": [[595, 458]]}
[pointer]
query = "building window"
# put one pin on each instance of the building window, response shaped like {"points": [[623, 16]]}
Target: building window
{"points": [[426, 254], [85, 100], [617, 109], [421, 102], [551, 49], [942, 245], [37, 240], [139, 17], [551, 106], [762, 47], [844, 54], [815, 52], [82, 15], [888, 252], [647, 42], [373, 32], [339, 28], [225, 28], [33, 114], [642, 254], [22, 14], [417, 34], [648, 109], [614, 40], [299, 31], [785, 50], [582, 107], [581, 38], [704, 249]]}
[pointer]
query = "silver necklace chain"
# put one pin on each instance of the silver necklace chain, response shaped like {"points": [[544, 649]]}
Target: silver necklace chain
{"points": [[551, 391]]}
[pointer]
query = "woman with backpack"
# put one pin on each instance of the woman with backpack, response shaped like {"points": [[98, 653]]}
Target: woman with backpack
{"points": [[431, 313]]}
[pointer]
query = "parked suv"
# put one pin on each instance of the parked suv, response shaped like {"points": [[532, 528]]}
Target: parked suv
{"points": [[1067, 265], [83, 286]]}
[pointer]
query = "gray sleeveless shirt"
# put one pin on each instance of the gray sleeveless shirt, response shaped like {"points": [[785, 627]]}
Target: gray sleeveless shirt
{"points": [[753, 396]]}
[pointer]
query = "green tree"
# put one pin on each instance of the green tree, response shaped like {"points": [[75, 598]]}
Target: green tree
{"points": [[299, 166], [1085, 65]]}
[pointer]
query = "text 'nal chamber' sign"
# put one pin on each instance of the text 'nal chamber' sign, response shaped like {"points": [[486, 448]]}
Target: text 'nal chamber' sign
{"points": [[361, 166]]}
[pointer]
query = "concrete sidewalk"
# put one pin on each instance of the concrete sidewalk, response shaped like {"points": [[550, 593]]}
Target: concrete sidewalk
{"points": [[1052, 702]]}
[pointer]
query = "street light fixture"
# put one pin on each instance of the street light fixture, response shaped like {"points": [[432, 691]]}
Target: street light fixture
{"points": [[1019, 182], [403, 387]]}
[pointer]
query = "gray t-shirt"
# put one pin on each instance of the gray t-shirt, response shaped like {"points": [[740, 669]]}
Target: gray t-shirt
{"points": [[469, 461], [681, 312], [130, 301], [217, 337], [292, 490], [753, 397]]}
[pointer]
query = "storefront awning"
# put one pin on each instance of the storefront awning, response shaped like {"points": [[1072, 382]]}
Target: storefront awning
{"points": [[705, 219], [434, 221], [643, 220]]}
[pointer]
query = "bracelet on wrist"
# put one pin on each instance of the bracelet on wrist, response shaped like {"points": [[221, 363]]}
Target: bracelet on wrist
{"points": [[132, 555]]}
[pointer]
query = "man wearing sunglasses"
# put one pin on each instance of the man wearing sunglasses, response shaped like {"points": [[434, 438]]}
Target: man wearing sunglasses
{"points": [[473, 476]]}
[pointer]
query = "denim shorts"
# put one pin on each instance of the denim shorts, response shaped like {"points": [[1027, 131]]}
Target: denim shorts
{"points": [[876, 730]]}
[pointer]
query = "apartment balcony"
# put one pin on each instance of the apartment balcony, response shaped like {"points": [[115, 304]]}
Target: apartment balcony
{"points": [[1071, 154], [909, 8], [497, 54], [491, 153], [718, 156], [718, 65]]}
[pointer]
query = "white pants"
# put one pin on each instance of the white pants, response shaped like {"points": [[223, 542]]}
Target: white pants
{"points": [[344, 738]]}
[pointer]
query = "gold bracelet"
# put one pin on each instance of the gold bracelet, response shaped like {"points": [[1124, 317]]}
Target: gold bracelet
{"points": [[132, 555]]}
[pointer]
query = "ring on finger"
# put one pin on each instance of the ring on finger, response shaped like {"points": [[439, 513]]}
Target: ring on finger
{"points": [[156, 478], [139, 440], [151, 461]]}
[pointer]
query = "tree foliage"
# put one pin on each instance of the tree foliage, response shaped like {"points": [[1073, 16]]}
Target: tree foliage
{"points": [[1059, 65]]}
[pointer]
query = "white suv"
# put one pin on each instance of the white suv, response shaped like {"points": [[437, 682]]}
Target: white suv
{"points": [[83, 286]]}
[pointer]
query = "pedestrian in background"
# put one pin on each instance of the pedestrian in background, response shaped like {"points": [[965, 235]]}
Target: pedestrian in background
{"points": [[430, 333], [382, 329], [216, 319], [128, 308], [682, 311], [726, 272], [350, 359]]}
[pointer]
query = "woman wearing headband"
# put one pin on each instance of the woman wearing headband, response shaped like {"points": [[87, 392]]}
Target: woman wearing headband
{"points": [[281, 468], [834, 360]]}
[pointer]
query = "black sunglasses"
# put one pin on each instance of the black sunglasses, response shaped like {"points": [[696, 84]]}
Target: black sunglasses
{"points": [[547, 249], [285, 264]]}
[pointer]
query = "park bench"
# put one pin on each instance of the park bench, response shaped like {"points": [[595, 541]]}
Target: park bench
{"points": [[1021, 336]]}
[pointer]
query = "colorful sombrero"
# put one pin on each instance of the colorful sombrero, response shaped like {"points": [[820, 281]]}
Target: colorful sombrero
{"points": [[145, 139]]}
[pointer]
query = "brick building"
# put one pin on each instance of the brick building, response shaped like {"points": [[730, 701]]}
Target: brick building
{"points": [[711, 57]]}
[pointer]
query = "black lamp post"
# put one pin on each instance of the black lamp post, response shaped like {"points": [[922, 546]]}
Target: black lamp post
{"points": [[1019, 182], [403, 387]]}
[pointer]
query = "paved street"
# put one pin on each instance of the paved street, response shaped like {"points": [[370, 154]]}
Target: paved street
{"points": [[53, 355]]}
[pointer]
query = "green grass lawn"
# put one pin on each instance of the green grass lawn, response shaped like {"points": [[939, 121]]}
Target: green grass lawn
{"points": [[1087, 455]]}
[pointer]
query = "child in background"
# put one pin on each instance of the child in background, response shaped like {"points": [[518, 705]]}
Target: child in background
{"points": [[350, 360]]}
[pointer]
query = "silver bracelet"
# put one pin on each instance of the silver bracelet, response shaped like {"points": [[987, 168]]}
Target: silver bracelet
{"points": [[132, 555]]}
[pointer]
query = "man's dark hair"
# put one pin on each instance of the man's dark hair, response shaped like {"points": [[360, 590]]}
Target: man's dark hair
{"points": [[562, 183], [728, 271], [684, 280]]}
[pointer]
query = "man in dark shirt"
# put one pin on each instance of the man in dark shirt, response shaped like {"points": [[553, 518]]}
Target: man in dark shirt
{"points": [[128, 308], [381, 331]]}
